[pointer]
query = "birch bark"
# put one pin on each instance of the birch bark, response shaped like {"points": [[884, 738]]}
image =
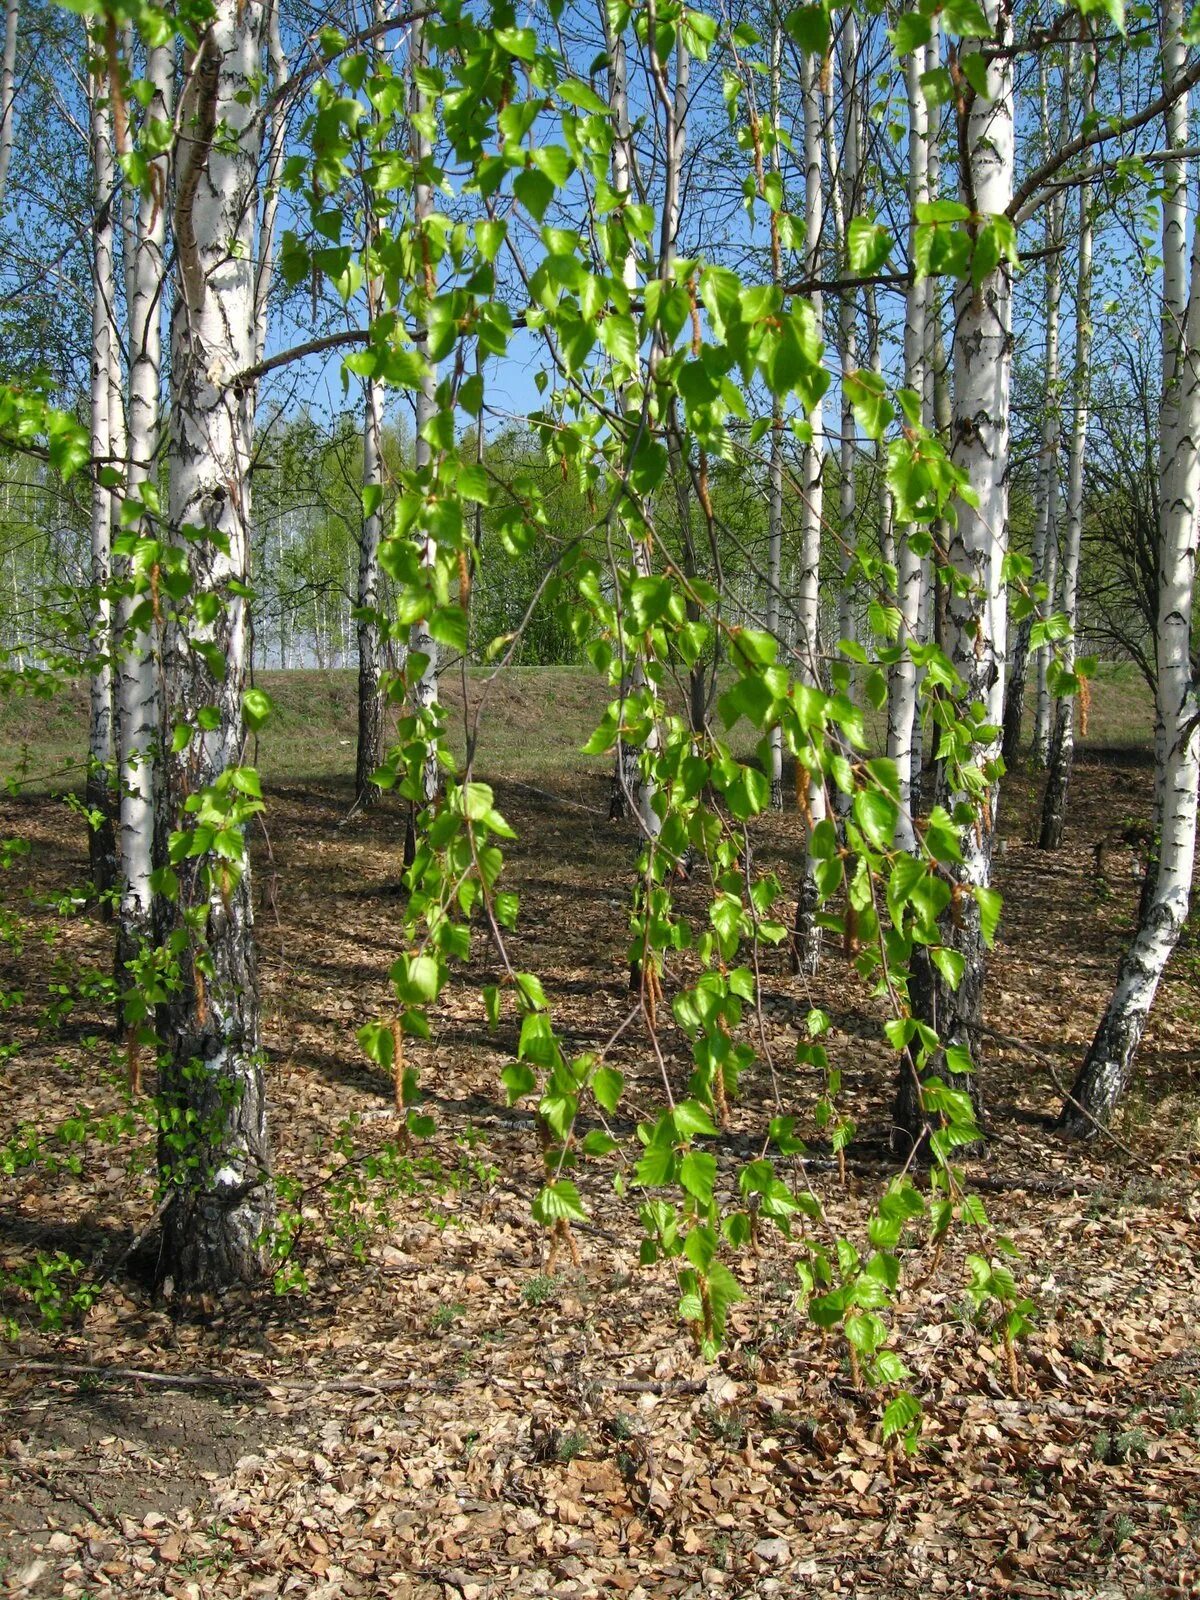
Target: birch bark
{"points": [[844, 193], [806, 933], [222, 1193], [369, 747], [626, 769], [1106, 1071], [902, 680], [1045, 526], [8, 90], [775, 463], [976, 620], [101, 733], [1062, 746], [137, 688], [422, 642]]}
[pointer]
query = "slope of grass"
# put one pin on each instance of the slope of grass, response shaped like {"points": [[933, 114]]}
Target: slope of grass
{"points": [[533, 720]]}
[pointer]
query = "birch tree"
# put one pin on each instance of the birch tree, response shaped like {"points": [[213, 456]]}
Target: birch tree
{"points": [[369, 745], [910, 577], [948, 996], [775, 462], [105, 355], [137, 624], [221, 1186], [1044, 553], [1107, 1069], [806, 936], [1062, 745], [422, 644], [845, 195]]}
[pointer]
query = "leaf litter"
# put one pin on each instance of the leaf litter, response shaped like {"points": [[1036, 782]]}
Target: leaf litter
{"points": [[447, 1412]]}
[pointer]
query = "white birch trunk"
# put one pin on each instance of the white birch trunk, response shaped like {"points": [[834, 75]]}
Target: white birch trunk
{"points": [[675, 142], [8, 90], [369, 751], [806, 935], [1174, 286], [626, 767], [101, 731], [1062, 749], [422, 642], [221, 1205], [976, 621], [902, 680], [1049, 509], [775, 464], [369, 746], [145, 273], [887, 538], [844, 195], [1108, 1067]]}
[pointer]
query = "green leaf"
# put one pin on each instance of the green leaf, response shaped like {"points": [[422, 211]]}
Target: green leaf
{"points": [[518, 1080], [256, 708], [989, 902], [378, 1044], [876, 814], [618, 335], [901, 1415], [911, 31], [966, 18], [868, 246], [607, 1086], [534, 190], [598, 1143], [417, 979], [559, 1202], [691, 1118], [808, 27], [698, 1173]]}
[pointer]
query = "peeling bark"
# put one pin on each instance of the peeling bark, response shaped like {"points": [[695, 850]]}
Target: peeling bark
{"points": [[137, 687], [976, 621], [222, 1193]]}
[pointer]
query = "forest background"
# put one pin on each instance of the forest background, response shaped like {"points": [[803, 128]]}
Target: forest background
{"points": [[795, 410]]}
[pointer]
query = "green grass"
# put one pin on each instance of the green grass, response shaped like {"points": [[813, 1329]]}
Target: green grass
{"points": [[534, 722]]}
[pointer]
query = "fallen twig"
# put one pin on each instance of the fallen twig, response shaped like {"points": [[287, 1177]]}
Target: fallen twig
{"points": [[60, 1491]]}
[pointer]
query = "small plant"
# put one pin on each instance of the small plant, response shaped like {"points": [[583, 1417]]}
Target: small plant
{"points": [[55, 1286], [1090, 1350], [540, 1289], [446, 1316], [1115, 1448], [1187, 1413], [570, 1444], [1123, 1528], [620, 1427], [993, 1286], [726, 1424]]}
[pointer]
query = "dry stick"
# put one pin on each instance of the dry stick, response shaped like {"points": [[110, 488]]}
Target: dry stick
{"points": [[175, 1380], [1050, 1065], [137, 1240], [60, 1491]]}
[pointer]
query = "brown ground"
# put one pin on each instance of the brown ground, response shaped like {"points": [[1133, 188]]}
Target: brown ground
{"points": [[446, 1417]]}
